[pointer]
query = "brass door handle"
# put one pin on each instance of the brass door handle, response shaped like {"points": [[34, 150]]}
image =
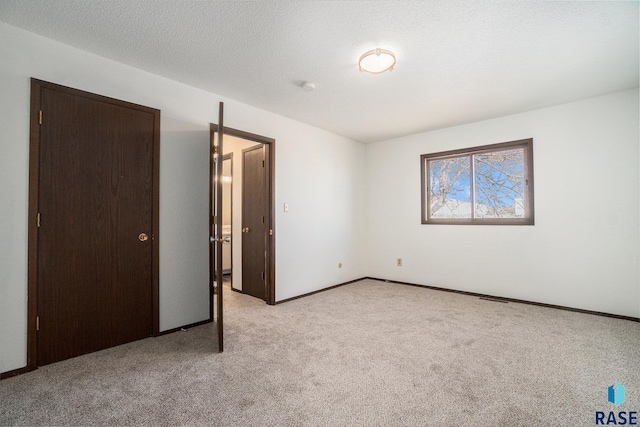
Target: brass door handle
{"points": [[143, 237], [245, 230]]}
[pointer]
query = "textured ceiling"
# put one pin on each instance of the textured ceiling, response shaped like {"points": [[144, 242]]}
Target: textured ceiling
{"points": [[458, 62]]}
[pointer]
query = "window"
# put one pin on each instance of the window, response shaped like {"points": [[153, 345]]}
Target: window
{"points": [[492, 184]]}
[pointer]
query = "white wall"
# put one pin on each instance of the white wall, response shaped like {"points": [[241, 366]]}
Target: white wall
{"points": [[306, 157], [325, 224], [583, 250]]}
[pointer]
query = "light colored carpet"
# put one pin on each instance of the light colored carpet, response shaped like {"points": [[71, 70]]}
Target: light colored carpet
{"points": [[368, 353]]}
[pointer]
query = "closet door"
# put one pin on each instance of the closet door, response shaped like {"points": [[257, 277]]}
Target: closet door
{"points": [[95, 218]]}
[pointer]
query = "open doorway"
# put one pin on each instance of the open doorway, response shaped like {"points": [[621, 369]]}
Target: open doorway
{"points": [[248, 214], [227, 219]]}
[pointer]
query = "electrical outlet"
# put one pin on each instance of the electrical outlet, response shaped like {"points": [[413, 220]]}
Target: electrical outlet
{"points": [[286, 207], [399, 262]]}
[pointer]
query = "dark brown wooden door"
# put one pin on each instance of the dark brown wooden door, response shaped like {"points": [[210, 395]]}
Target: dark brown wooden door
{"points": [[215, 225], [254, 221], [95, 201]]}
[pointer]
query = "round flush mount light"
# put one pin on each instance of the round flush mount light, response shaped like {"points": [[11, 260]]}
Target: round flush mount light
{"points": [[377, 61]]}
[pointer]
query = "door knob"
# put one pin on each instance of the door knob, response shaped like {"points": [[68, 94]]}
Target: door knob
{"points": [[143, 237], [245, 230]]}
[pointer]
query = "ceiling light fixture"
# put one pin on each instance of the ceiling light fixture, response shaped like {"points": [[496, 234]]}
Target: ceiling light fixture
{"points": [[377, 61]]}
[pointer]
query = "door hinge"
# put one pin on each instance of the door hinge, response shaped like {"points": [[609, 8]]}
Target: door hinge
{"points": [[263, 219], [263, 163], [38, 220], [40, 117], [37, 323], [215, 149], [263, 275]]}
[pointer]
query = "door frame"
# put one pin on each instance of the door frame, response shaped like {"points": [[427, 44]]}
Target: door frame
{"points": [[270, 297], [34, 188]]}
